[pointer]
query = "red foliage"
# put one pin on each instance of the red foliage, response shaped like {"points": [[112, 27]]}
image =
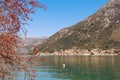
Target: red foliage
{"points": [[13, 14], [35, 50]]}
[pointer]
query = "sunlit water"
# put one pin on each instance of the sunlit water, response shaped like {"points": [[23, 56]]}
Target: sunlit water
{"points": [[78, 68]]}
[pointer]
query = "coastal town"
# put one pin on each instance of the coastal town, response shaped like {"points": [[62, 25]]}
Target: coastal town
{"points": [[84, 52]]}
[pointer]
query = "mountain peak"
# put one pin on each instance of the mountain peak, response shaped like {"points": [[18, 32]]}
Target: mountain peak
{"points": [[115, 0], [100, 30], [112, 3]]}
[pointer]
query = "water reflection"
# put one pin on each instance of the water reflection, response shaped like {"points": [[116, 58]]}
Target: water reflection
{"points": [[84, 67], [78, 68]]}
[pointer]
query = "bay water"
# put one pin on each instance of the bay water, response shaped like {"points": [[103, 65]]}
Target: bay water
{"points": [[78, 68]]}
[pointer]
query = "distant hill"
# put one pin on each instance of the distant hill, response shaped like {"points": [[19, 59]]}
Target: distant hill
{"points": [[29, 43], [33, 41], [100, 30]]}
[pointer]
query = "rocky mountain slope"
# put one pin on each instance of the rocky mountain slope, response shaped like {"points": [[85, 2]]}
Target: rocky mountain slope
{"points": [[100, 30]]}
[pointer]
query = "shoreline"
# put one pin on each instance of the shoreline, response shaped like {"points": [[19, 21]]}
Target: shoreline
{"points": [[82, 52], [74, 55], [68, 55]]}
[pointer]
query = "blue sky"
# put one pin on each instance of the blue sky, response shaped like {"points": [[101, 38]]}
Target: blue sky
{"points": [[60, 14]]}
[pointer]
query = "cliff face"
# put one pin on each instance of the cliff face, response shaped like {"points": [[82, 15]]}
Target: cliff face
{"points": [[101, 30]]}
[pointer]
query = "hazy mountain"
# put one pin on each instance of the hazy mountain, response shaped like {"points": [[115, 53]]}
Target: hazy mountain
{"points": [[33, 41], [100, 30], [28, 43]]}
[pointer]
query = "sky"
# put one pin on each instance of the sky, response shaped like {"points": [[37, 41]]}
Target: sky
{"points": [[60, 14]]}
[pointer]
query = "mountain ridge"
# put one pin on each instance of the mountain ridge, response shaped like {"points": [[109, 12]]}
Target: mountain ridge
{"points": [[100, 30], [28, 43]]}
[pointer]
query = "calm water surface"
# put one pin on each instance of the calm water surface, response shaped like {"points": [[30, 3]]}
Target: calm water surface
{"points": [[78, 68]]}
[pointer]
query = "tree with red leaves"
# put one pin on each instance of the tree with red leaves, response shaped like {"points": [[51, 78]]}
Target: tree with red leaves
{"points": [[13, 14]]}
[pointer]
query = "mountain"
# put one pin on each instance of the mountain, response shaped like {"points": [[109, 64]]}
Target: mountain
{"points": [[33, 41], [28, 43], [100, 30]]}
